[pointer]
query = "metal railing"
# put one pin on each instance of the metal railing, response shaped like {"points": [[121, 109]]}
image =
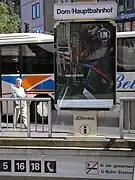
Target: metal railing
{"points": [[38, 127], [127, 116], [8, 109]]}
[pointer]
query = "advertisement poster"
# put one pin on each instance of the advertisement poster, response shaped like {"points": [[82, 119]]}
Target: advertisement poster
{"points": [[119, 27], [133, 26], [127, 26], [85, 65]]}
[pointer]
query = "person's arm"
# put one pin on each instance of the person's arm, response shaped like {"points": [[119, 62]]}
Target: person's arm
{"points": [[13, 91], [24, 95], [14, 95]]}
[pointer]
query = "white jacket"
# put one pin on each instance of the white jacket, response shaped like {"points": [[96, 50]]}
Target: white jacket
{"points": [[18, 93]]}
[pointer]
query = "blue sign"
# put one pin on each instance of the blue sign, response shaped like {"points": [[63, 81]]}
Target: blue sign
{"points": [[37, 30], [126, 15]]}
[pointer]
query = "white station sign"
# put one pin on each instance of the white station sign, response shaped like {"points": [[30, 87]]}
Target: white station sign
{"points": [[96, 10], [75, 166]]}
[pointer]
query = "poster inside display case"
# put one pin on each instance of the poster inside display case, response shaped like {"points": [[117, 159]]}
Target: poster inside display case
{"points": [[85, 65], [119, 27], [127, 26], [133, 26]]}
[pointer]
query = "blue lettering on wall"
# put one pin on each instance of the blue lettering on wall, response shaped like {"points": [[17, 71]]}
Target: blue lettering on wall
{"points": [[123, 83], [126, 15]]}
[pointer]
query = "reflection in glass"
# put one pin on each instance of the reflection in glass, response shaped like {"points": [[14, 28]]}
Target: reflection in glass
{"points": [[126, 54], [27, 59]]}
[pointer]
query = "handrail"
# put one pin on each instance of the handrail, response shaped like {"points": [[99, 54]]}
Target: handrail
{"points": [[121, 119], [127, 98], [25, 99]]}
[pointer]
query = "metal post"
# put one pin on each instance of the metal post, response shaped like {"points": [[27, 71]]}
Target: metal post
{"points": [[49, 119], [14, 117], [121, 118], [0, 119], [20, 114], [128, 115], [28, 119], [133, 177], [35, 107], [42, 117], [7, 113]]}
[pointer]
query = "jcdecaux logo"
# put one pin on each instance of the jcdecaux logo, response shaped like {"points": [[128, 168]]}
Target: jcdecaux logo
{"points": [[84, 118]]}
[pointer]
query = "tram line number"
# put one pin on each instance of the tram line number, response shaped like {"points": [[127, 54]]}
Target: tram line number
{"points": [[5, 165], [34, 166], [20, 165]]}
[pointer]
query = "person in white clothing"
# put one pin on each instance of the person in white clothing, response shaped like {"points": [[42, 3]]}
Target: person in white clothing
{"points": [[20, 106]]}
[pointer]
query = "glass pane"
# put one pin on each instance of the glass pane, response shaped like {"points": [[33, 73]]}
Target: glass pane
{"points": [[129, 4], [37, 10], [85, 64], [9, 59], [133, 26], [127, 26], [120, 27], [121, 2], [126, 54], [121, 5], [37, 58], [33, 11]]}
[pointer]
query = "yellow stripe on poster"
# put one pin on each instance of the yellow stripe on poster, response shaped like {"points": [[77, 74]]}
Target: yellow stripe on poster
{"points": [[111, 20], [85, 1], [77, 19]]}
